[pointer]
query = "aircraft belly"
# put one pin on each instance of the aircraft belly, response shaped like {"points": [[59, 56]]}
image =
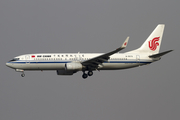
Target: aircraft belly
{"points": [[48, 66], [41, 66], [117, 66]]}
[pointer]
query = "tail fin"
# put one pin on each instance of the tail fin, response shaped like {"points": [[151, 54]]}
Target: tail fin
{"points": [[153, 42]]}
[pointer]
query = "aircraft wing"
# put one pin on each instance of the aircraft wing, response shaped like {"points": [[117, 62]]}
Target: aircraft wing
{"points": [[96, 61]]}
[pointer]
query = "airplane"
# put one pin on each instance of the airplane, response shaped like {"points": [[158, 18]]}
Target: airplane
{"points": [[70, 63]]}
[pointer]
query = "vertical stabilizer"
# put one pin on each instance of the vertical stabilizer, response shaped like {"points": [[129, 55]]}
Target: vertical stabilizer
{"points": [[153, 42]]}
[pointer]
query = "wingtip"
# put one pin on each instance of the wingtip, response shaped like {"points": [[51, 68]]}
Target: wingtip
{"points": [[125, 42], [127, 39]]}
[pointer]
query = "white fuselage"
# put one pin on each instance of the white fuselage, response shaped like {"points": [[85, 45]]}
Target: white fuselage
{"points": [[57, 61], [70, 63]]}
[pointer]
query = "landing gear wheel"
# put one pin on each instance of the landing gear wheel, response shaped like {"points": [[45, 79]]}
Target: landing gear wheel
{"points": [[90, 73], [84, 75], [22, 75]]}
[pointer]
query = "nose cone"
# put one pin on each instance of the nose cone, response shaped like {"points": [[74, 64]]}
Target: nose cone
{"points": [[9, 64]]}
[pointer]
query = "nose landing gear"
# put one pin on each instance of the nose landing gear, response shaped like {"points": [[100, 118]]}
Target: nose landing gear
{"points": [[22, 71], [22, 75]]}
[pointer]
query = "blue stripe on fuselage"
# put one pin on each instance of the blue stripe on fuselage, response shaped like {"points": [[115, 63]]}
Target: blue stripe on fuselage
{"points": [[38, 62]]}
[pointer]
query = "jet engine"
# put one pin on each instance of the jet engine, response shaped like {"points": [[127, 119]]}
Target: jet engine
{"points": [[73, 66]]}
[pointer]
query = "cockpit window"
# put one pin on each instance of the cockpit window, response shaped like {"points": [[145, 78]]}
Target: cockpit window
{"points": [[15, 59]]}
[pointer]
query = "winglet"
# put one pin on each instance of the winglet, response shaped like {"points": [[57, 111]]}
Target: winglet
{"points": [[125, 43]]}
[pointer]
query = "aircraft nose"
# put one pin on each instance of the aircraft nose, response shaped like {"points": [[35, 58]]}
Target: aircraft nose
{"points": [[7, 64]]}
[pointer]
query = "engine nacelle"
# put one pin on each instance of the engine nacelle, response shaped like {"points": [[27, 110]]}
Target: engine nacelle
{"points": [[73, 66], [64, 72]]}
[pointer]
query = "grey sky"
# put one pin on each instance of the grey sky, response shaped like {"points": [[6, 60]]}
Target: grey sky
{"points": [[35, 26]]}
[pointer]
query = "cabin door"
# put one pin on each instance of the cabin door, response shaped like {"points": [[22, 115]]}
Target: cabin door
{"points": [[137, 58], [27, 59]]}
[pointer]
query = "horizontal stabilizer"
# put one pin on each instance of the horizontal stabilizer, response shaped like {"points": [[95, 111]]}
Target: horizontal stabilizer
{"points": [[160, 54]]}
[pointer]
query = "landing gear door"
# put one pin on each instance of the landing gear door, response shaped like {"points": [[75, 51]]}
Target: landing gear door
{"points": [[27, 59], [137, 58]]}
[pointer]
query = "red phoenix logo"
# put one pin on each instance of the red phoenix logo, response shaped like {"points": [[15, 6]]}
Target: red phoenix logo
{"points": [[153, 43]]}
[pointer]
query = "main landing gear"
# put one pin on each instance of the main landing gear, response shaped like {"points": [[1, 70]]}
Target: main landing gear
{"points": [[90, 73]]}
